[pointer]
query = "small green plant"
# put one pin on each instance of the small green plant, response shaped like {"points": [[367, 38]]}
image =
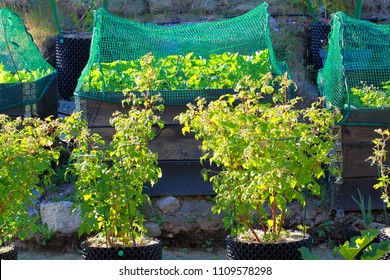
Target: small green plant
{"points": [[324, 228], [267, 156], [366, 214], [176, 72], [80, 13], [22, 76], [328, 7], [359, 245], [371, 97]]}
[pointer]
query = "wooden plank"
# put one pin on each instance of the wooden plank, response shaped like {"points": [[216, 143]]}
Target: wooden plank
{"points": [[14, 112], [373, 117], [354, 160], [99, 112], [45, 107], [170, 144], [181, 178], [357, 146], [357, 134], [342, 194]]}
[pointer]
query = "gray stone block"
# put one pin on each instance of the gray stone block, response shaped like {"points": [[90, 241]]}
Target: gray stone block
{"points": [[58, 216]]}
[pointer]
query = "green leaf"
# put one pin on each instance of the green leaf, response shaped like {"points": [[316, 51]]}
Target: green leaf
{"points": [[185, 129], [306, 254], [376, 250]]}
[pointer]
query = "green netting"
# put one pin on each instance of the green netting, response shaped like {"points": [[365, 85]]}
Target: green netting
{"points": [[24, 74], [357, 70], [120, 41]]}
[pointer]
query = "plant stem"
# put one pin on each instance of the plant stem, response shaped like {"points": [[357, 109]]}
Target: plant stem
{"points": [[247, 221], [311, 10], [128, 205], [260, 220]]}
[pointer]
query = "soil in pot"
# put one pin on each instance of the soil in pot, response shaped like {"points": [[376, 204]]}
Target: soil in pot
{"points": [[287, 249], [151, 250], [8, 252]]}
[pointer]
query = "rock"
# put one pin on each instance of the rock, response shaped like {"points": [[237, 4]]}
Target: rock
{"points": [[158, 6], [153, 229], [31, 211], [58, 217], [273, 23], [168, 204]]}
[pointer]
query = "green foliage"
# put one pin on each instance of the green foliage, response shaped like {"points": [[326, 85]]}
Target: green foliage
{"points": [[110, 182], [324, 228], [371, 97], [268, 152], [22, 76], [178, 72], [362, 245], [366, 214], [27, 156], [307, 254], [378, 158], [350, 249], [80, 12], [326, 7]]}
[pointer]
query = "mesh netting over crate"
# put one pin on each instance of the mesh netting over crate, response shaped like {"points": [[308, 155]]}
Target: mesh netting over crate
{"points": [[356, 74], [117, 42], [24, 75]]}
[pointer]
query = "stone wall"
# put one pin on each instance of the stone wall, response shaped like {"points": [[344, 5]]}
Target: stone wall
{"points": [[178, 221]]}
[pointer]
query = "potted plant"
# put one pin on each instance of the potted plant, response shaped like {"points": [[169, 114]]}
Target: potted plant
{"points": [[110, 182], [268, 154], [26, 162]]}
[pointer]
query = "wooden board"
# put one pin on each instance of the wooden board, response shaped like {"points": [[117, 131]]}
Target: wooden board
{"points": [[170, 144], [359, 134], [99, 112], [46, 106], [181, 178], [354, 161], [357, 146], [342, 194]]}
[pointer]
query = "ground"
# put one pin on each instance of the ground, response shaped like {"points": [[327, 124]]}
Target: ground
{"points": [[323, 251]]}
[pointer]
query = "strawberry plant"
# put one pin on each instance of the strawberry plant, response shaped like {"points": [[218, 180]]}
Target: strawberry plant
{"points": [[371, 97], [179, 72], [22, 76]]}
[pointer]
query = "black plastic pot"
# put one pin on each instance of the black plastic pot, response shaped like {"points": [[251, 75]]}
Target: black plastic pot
{"points": [[149, 252], [72, 54], [9, 255], [237, 250], [385, 235], [319, 33]]}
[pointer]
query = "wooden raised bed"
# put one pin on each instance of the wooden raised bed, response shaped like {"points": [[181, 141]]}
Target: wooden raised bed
{"points": [[46, 106], [178, 154], [357, 173]]}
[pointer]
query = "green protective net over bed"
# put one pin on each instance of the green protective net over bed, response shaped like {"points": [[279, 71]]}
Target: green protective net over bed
{"points": [[356, 74], [24, 74], [119, 43]]}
